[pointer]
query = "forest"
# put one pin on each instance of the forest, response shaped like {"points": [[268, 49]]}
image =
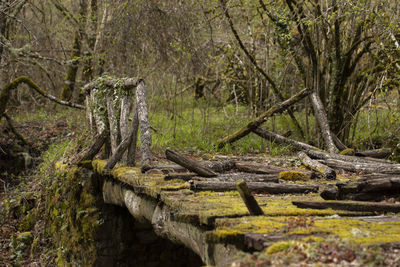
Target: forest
{"points": [[311, 85]]}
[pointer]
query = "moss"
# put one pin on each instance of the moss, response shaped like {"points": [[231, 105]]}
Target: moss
{"points": [[348, 152], [98, 166], [293, 176], [280, 246], [28, 221]]}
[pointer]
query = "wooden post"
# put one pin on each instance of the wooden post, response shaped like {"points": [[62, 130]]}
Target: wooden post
{"points": [[248, 198], [115, 134], [126, 104], [145, 135], [131, 157]]}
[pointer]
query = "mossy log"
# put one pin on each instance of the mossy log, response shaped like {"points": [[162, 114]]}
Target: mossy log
{"points": [[248, 177], [283, 140], [349, 205], [326, 171], [256, 187], [259, 168], [380, 153], [296, 175], [72, 69], [189, 164], [277, 108], [363, 167], [6, 91], [180, 176], [248, 198], [219, 166]]}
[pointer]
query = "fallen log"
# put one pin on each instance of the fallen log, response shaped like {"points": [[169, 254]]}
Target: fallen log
{"points": [[277, 108], [170, 168], [219, 166], [380, 153], [95, 147], [189, 164], [283, 140], [248, 199], [363, 167], [180, 176], [326, 171], [248, 177], [315, 154], [349, 205], [255, 187], [259, 168]]}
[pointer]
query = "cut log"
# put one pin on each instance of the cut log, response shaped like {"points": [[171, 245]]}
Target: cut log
{"points": [[248, 199], [376, 153], [189, 164], [327, 172], [349, 205], [322, 119], [145, 135], [262, 188], [95, 147], [259, 168], [219, 166], [283, 140], [277, 108]]}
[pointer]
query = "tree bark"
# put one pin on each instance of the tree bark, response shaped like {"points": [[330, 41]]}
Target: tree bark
{"points": [[277, 108], [258, 168], [189, 164], [327, 172], [283, 140], [348, 205], [248, 199], [95, 147], [113, 120], [255, 187], [322, 119], [145, 135], [5, 94]]}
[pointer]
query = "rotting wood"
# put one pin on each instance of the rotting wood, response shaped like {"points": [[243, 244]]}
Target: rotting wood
{"points": [[219, 166], [326, 171], [349, 205], [248, 177], [189, 164], [131, 155], [283, 140], [380, 153], [322, 119], [314, 154], [115, 134], [363, 167], [119, 151], [259, 168], [277, 108], [256, 187], [181, 176], [145, 135], [95, 147], [126, 103], [248, 198]]}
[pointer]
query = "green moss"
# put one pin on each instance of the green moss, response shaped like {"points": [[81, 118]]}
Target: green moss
{"points": [[280, 246], [348, 152], [28, 221], [293, 176]]}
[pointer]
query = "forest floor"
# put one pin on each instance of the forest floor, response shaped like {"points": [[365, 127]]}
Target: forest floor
{"points": [[20, 193]]}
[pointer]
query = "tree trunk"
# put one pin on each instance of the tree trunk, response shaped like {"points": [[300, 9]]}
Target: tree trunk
{"points": [[283, 140], [189, 164], [327, 172], [145, 135], [277, 108], [322, 119]]}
